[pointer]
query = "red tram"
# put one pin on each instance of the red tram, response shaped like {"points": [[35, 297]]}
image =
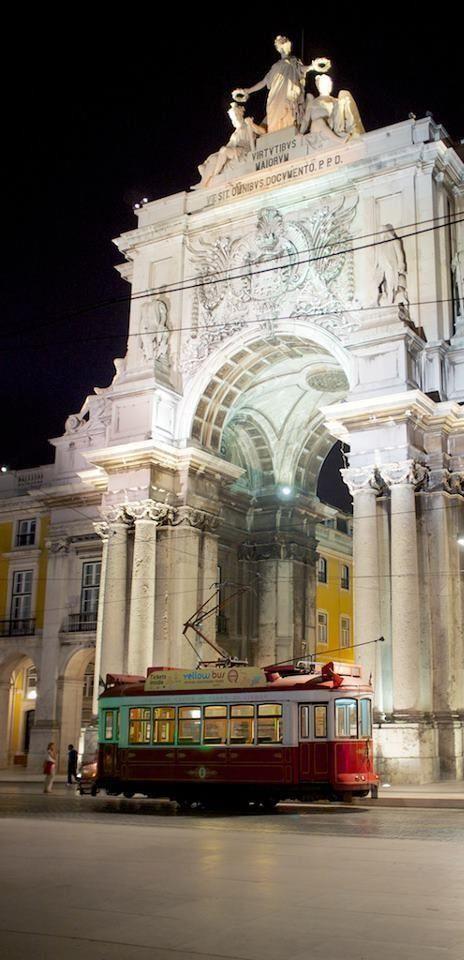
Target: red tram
{"points": [[226, 735]]}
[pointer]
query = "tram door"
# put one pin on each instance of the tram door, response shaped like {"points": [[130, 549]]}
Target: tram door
{"points": [[313, 751]]}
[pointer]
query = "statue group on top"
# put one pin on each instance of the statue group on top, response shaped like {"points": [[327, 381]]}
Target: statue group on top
{"points": [[322, 119]]}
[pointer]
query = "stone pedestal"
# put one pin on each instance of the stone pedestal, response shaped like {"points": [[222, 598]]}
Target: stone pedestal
{"points": [[406, 752]]}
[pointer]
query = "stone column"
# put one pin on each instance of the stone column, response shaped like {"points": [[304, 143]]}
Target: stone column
{"points": [[402, 478], [102, 530], [113, 642], [208, 577], [185, 588], [363, 487], [142, 593]]}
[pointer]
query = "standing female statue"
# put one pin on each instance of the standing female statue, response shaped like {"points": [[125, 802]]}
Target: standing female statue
{"points": [[286, 84]]}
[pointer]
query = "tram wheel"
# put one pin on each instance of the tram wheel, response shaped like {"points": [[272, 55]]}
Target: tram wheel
{"points": [[269, 803], [128, 794]]}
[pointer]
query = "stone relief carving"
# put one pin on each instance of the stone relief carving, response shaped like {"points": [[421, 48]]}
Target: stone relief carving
{"points": [[154, 331], [240, 143], [285, 82], [285, 258], [329, 119], [406, 472], [60, 545], [390, 271], [162, 514], [102, 529]]}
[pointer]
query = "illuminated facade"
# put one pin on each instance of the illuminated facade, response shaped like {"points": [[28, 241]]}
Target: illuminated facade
{"points": [[309, 289]]}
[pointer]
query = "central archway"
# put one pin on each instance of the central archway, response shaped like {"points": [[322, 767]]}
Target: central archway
{"points": [[260, 408]]}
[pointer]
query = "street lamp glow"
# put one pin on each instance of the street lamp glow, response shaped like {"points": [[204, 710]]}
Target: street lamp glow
{"points": [[285, 491], [461, 541]]}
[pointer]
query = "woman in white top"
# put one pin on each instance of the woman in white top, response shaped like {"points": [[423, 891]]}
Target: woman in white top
{"points": [[49, 767]]}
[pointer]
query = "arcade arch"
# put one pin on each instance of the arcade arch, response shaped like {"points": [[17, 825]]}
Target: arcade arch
{"points": [[75, 692], [18, 692]]}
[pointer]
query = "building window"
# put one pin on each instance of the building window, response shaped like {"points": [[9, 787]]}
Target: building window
{"points": [[345, 632], [89, 591], [345, 577], [321, 570], [31, 683], [21, 597], [322, 628], [25, 533], [87, 691]]}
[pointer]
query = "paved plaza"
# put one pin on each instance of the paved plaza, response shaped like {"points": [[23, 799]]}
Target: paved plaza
{"points": [[128, 880]]}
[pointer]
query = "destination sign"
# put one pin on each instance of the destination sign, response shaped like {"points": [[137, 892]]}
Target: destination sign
{"points": [[211, 678]]}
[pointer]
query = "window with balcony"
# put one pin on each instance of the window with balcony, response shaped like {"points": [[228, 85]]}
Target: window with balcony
{"points": [[86, 619], [26, 533]]}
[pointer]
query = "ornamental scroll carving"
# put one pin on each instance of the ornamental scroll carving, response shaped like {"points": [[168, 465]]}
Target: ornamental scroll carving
{"points": [[277, 550], [162, 514], [300, 261]]}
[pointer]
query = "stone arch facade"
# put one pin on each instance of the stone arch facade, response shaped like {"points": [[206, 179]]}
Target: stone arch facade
{"points": [[70, 697], [13, 705]]}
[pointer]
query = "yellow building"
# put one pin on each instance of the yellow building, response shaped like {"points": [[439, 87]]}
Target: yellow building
{"points": [[334, 589]]}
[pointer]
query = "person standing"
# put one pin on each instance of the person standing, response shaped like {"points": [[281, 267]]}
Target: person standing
{"points": [[49, 767], [72, 764]]}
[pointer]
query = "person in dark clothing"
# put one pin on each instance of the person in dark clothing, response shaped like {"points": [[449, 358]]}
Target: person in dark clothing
{"points": [[72, 765]]}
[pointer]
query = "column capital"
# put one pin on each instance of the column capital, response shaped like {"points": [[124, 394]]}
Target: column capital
{"points": [[362, 479], [58, 545], [158, 512], [102, 529], [191, 517], [405, 473]]}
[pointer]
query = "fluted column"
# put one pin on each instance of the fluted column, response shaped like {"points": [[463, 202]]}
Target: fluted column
{"points": [[362, 484], [146, 515], [113, 640], [402, 479]]}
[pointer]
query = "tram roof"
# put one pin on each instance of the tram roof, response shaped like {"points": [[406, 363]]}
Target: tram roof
{"points": [[332, 677]]}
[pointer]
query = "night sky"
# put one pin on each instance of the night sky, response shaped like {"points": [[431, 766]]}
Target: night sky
{"points": [[107, 114]]}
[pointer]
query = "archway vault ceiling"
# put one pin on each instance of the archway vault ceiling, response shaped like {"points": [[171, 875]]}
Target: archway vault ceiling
{"points": [[261, 410]]}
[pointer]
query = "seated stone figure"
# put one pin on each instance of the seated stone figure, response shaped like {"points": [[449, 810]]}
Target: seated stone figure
{"points": [[241, 142], [330, 118]]}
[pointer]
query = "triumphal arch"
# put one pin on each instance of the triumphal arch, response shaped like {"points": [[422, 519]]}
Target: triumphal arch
{"points": [[308, 288]]}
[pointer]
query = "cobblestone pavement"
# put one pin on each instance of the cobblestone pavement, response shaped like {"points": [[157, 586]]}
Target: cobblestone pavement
{"points": [[113, 879], [335, 820]]}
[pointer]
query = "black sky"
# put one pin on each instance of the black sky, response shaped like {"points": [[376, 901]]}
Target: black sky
{"points": [[104, 115]]}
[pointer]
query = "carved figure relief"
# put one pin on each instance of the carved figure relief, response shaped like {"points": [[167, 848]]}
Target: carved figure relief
{"points": [[283, 259], [154, 330], [390, 269]]}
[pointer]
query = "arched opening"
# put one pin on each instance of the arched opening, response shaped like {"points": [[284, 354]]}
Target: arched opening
{"points": [[18, 692], [75, 691], [262, 410]]}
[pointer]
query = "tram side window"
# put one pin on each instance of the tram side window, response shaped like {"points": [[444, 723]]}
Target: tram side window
{"points": [[139, 725], [164, 724], [320, 720], [304, 722], [189, 725], [215, 724], [270, 723], [346, 718], [365, 718], [110, 724], [242, 724]]}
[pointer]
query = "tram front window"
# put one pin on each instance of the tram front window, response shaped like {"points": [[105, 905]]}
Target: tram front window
{"points": [[189, 725], [346, 718]]}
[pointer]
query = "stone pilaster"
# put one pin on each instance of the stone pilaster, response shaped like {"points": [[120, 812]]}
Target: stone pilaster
{"points": [[363, 484], [102, 530], [45, 726]]}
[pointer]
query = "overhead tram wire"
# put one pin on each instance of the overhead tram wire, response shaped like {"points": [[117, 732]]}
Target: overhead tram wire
{"points": [[227, 275]]}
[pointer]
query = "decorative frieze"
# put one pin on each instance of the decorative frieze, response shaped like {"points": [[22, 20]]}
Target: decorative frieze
{"points": [[277, 549]]}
